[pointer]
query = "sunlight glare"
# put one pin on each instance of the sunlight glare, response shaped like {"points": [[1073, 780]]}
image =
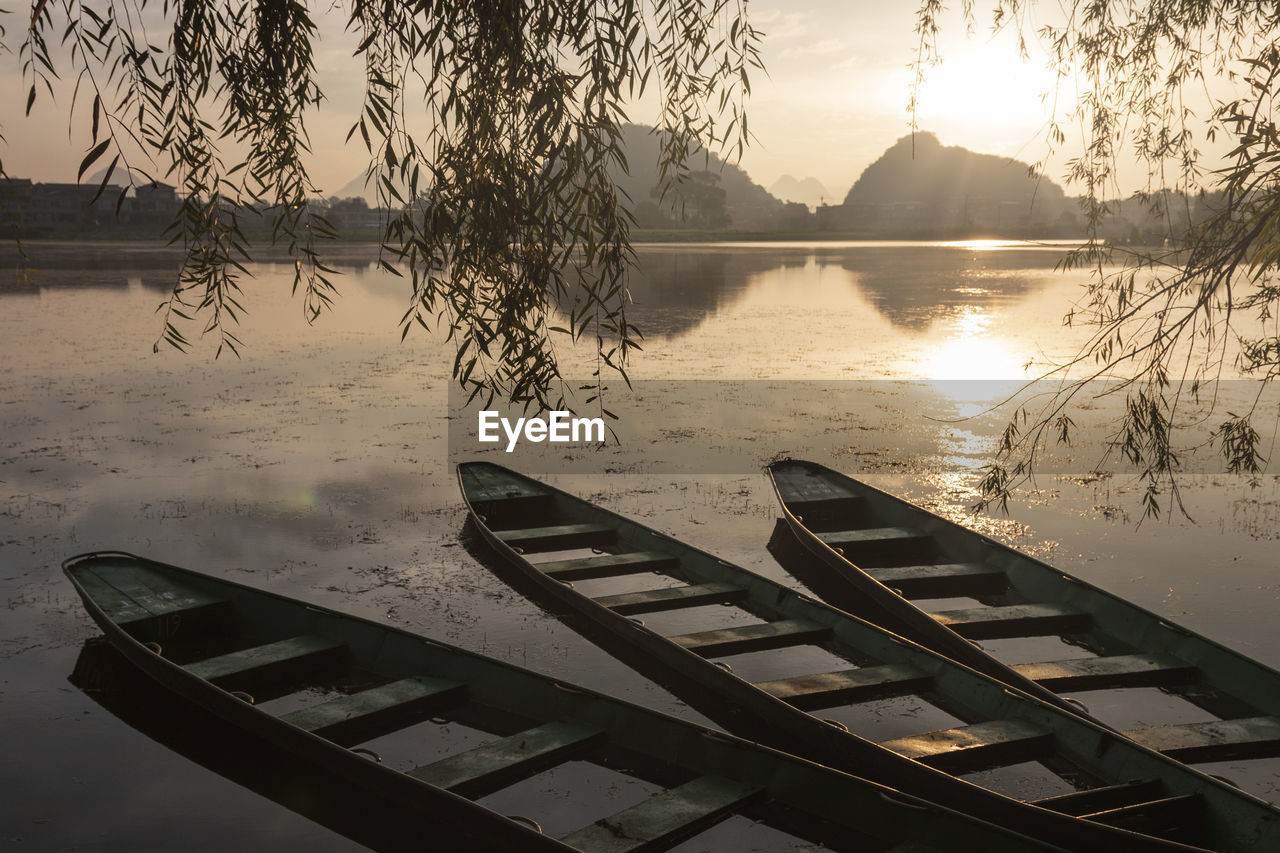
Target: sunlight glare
{"points": [[972, 358], [984, 245], [970, 351], [983, 83]]}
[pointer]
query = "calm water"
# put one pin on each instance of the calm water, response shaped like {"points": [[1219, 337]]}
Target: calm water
{"points": [[317, 465]]}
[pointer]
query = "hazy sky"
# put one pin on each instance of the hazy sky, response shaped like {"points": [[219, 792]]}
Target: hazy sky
{"points": [[838, 87], [834, 98]]}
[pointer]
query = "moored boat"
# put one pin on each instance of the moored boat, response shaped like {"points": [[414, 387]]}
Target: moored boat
{"points": [[1119, 796], [885, 554], [323, 686]]}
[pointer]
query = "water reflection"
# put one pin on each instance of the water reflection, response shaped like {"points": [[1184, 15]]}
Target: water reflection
{"points": [[676, 290], [946, 280], [949, 300], [865, 310], [912, 286], [37, 265], [242, 759], [971, 349]]}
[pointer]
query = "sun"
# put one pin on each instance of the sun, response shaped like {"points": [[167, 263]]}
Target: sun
{"points": [[988, 83]]}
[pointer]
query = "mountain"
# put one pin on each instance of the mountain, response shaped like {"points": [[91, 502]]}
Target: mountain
{"points": [[950, 186], [750, 207], [747, 205], [357, 188], [119, 178], [808, 191]]}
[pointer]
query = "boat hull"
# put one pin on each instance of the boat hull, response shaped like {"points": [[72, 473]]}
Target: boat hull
{"points": [[158, 617], [750, 711], [1227, 683], [474, 823]]}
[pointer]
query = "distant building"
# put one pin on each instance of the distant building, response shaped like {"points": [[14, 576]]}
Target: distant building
{"points": [[15, 201], [153, 203], [353, 214], [31, 209]]}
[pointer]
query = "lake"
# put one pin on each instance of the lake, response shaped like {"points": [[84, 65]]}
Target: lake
{"points": [[317, 464]]}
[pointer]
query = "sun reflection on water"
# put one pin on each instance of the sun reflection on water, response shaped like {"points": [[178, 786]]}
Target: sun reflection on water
{"points": [[985, 245]]}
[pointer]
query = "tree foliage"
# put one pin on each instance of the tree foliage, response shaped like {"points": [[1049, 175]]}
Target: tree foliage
{"points": [[1170, 86], [698, 201], [491, 127]]}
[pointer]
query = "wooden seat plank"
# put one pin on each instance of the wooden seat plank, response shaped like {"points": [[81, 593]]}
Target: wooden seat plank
{"points": [[485, 769], [1104, 673], [752, 638], [871, 535], [1017, 620], [880, 546], [1104, 798], [379, 710], [557, 537], [993, 743], [492, 485], [1217, 740], [940, 580], [797, 484], [501, 494], [128, 595], [664, 818], [826, 689], [270, 660], [832, 507], [671, 598], [513, 505], [607, 565]]}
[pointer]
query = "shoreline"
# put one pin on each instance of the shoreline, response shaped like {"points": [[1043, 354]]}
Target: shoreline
{"points": [[638, 236]]}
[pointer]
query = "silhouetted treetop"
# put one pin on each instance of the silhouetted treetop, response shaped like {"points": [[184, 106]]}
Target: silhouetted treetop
{"points": [[748, 205]]}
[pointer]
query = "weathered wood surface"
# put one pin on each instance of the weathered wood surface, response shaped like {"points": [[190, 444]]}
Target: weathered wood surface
{"points": [[827, 689], [1216, 740], [279, 659], [752, 638], [494, 766], [378, 710], [941, 580], [671, 598], [606, 565], [1105, 673], [558, 537], [1016, 620], [986, 744], [670, 815]]}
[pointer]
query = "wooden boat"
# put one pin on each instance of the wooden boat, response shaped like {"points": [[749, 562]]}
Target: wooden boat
{"points": [[229, 648], [1123, 797], [286, 779], [885, 553]]}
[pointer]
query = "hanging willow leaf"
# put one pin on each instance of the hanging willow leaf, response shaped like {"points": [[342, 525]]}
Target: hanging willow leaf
{"points": [[493, 130], [1195, 303], [92, 157]]}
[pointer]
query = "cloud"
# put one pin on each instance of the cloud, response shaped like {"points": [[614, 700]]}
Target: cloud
{"points": [[777, 25], [822, 48]]}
